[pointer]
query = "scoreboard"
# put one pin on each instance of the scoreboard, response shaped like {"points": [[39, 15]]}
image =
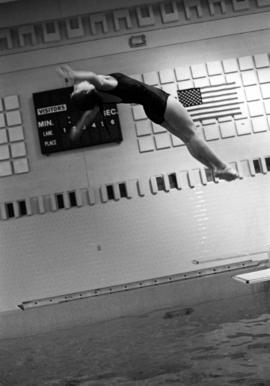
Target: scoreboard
{"points": [[55, 116]]}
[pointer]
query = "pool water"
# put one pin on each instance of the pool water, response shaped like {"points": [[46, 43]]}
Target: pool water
{"points": [[212, 344]]}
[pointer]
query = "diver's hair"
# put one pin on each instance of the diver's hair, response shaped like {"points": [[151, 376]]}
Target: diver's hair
{"points": [[85, 100]]}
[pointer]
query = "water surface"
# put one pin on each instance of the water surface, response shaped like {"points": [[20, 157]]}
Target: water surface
{"points": [[213, 344]]}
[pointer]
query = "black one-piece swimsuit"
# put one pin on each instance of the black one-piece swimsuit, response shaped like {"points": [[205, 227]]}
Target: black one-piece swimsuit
{"points": [[153, 100]]}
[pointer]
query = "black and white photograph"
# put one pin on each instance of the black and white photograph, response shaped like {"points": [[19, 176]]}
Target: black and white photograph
{"points": [[134, 192]]}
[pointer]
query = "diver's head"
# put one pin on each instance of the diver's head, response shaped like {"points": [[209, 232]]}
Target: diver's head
{"points": [[84, 96]]}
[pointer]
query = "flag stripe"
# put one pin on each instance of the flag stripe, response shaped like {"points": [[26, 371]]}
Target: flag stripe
{"points": [[216, 110], [208, 105], [215, 90], [208, 115], [219, 86], [219, 97]]}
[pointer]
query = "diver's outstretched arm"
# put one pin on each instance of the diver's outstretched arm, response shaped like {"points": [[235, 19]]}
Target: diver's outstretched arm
{"points": [[86, 119], [99, 81]]}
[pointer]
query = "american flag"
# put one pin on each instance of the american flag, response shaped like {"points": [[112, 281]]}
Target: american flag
{"points": [[211, 101]]}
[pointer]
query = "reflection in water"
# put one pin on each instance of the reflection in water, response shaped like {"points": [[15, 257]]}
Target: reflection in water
{"points": [[225, 343]]}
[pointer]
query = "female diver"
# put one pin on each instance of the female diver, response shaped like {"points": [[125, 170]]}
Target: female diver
{"points": [[159, 106]]}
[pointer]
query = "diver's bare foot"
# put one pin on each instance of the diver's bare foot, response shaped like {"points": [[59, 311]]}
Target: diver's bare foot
{"points": [[227, 174]]}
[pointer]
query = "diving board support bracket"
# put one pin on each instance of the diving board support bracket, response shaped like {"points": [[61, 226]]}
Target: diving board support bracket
{"points": [[53, 300]]}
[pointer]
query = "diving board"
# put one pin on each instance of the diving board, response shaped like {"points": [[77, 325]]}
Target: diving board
{"points": [[254, 277]]}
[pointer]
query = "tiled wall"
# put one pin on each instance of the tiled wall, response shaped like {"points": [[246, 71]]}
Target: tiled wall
{"points": [[250, 73], [13, 150], [145, 208]]}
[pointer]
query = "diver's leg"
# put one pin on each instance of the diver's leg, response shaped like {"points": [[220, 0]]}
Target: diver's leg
{"points": [[179, 123]]}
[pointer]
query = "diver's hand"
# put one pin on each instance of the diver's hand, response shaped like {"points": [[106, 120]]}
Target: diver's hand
{"points": [[66, 72]]}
